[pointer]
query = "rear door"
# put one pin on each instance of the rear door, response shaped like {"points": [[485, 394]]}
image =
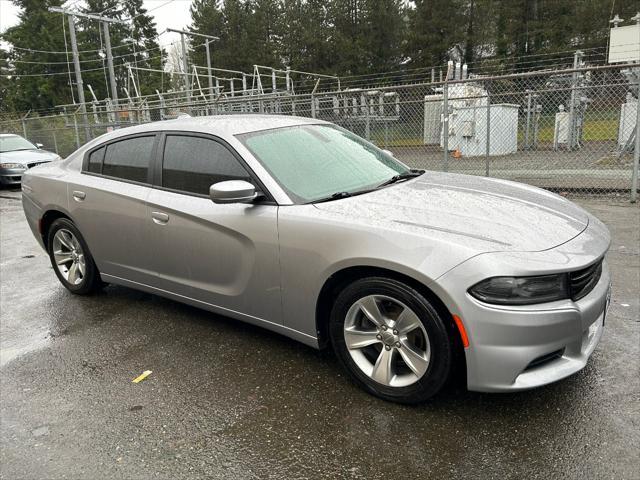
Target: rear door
{"points": [[223, 255], [108, 203]]}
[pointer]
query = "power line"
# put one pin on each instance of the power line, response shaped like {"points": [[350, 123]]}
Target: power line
{"points": [[48, 74], [59, 52], [151, 10], [93, 60]]}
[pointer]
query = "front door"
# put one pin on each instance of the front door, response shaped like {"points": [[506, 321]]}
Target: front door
{"points": [[223, 255]]}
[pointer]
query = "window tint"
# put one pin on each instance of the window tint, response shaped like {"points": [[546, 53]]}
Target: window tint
{"points": [[95, 160], [129, 159], [193, 164]]}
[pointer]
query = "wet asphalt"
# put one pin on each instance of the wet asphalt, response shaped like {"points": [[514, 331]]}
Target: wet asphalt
{"points": [[228, 400]]}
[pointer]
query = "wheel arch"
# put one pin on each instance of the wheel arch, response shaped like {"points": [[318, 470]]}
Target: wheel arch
{"points": [[47, 220], [343, 277]]}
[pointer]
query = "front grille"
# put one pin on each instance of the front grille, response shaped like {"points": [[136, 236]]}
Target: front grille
{"points": [[581, 282]]}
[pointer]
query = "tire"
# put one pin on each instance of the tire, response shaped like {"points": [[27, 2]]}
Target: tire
{"points": [[402, 352], [65, 242]]}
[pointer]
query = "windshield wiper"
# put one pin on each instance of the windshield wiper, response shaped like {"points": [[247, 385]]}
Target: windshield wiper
{"points": [[401, 176], [335, 196]]}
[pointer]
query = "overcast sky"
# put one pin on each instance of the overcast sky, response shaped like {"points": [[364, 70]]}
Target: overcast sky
{"points": [[174, 14]]}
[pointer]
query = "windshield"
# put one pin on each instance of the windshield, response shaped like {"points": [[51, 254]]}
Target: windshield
{"points": [[312, 162], [14, 142]]}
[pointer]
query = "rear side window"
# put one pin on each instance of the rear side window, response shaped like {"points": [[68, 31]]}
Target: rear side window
{"points": [[129, 159], [95, 160], [193, 164]]}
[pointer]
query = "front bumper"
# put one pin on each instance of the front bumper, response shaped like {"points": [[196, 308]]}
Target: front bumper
{"points": [[510, 345], [11, 176], [515, 348]]}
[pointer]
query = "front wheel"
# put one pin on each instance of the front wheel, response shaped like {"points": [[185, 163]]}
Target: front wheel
{"points": [[71, 259], [391, 340]]}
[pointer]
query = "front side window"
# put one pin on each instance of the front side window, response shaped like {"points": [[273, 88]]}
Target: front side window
{"points": [[129, 159], [95, 160], [193, 164], [311, 162]]}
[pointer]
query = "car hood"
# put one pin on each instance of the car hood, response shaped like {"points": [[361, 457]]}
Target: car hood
{"points": [[500, 214], [27, 156]]}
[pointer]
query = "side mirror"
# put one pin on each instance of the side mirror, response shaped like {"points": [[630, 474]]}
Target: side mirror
{"points": [[39, 145], [232, 191], [389, 152]]}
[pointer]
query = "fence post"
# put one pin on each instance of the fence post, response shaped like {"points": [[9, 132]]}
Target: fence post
{"points": [[636, 152], [487, 151], [445, 123], [386, 133], [572, 141], [24, 124], [75, 126], [367, 126], [528, 124], [55, 142]]}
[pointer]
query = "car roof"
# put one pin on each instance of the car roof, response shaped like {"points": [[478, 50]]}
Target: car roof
{"points": [[8, 135], [223, 125]]}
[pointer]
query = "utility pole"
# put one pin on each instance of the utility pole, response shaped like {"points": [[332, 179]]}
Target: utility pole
{"points": [[206, 44], [112, 75], [76, 58], [79, 85], [185, 61], [185, 68]]}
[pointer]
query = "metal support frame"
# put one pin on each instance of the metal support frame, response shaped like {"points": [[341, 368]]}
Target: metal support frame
{"points": [[185, 60], [209, 77]]}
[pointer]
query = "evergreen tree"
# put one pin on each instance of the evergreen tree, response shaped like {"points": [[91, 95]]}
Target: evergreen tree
{"points": [[6, 96], [326, 36], [207, 18], [348, 18], [263, 31], [435, 26], [384, 32], [32, 85]]}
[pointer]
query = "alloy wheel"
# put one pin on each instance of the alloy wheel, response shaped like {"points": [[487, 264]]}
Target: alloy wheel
{"points": [[387, 340], [69, 256]]}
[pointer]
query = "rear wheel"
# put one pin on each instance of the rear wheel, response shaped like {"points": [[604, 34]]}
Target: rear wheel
{"points": [[71, 259], [391, 340]]}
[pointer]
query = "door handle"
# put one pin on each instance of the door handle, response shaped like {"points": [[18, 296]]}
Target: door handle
{"points": [[79, 196], [160, 218]]}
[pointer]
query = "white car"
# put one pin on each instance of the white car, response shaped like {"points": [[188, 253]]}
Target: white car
{"points": [[17, 155]]}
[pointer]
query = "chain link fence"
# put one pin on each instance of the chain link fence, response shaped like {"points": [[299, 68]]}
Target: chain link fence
{"points": [[568, 130]]}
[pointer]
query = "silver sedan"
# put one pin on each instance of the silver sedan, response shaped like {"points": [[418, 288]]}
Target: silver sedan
{"points": [[17, 155], [304, 228]]}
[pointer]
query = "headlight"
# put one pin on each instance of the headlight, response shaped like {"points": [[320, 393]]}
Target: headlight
{"points": [[12, 165], [521, 290]]}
